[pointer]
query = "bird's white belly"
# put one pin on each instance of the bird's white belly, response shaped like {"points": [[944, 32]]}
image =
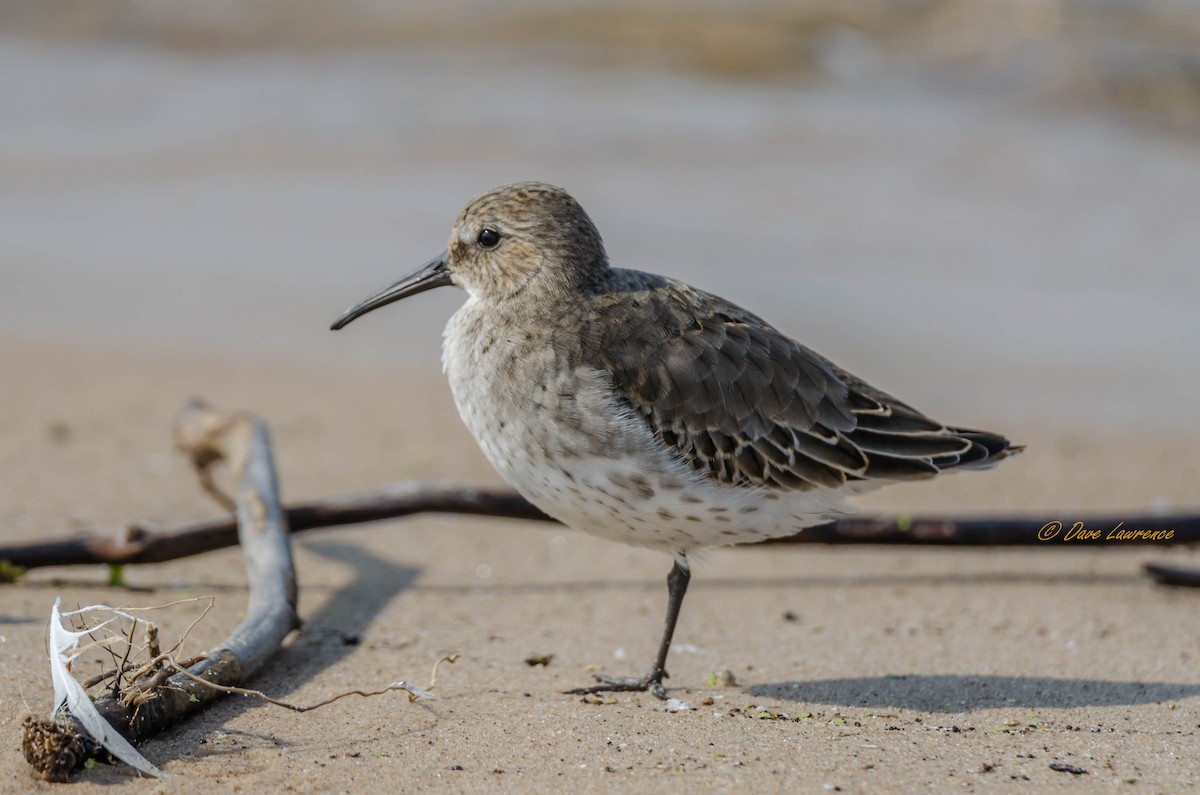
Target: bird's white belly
{"points": [[558, 437]]}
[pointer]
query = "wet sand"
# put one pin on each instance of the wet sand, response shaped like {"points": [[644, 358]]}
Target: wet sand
{"points": [[867, 670]]}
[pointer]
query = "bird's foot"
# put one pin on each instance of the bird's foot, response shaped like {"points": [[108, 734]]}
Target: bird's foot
{"points": [[650, 683]]}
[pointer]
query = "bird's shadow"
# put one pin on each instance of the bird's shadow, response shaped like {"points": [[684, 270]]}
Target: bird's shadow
{"points": [[951, 693], [330, 633]]}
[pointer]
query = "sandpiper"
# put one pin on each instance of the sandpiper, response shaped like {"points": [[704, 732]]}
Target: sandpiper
{"points": [[640, 409]]}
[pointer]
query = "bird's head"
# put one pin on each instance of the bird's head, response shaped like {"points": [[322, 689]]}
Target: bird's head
{"points": [[527, 239]]}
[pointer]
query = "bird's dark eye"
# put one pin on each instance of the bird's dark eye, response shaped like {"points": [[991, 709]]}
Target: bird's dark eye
{"points": [[489, 238]]}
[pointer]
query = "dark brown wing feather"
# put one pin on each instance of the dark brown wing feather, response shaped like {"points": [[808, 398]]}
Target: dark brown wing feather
{"points": [[748, 406]]}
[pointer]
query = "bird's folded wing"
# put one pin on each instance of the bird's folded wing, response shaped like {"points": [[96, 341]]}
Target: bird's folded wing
{"points": [[748, 406]]}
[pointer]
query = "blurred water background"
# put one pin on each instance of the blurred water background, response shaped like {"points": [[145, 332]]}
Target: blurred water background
{"points": [[988, 207]]}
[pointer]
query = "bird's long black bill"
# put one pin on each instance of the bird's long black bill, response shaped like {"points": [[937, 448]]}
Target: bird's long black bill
{"points": [[435, 273]]}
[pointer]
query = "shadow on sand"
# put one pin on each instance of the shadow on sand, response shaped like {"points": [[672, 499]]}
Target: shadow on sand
{"points": [[957, 693], [328, 633]]}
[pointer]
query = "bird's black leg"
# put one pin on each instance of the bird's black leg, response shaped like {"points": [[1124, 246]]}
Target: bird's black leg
{"points": [[677, 583]]}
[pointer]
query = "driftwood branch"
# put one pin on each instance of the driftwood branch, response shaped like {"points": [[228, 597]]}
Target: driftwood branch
{"points": [[1005, 531], [54, 748], [1173, 575], [138, 544], [141, 545]]}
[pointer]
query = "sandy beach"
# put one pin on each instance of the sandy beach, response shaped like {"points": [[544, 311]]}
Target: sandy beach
{"points": [[865, 670], [989, 214]]}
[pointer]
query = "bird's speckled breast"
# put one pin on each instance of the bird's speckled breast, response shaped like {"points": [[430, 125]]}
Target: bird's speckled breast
{"points": [[553, 429], [523, 400], [532, 411]]}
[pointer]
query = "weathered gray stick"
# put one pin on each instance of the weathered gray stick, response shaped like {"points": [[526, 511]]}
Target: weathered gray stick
{"points": [[55, 748]]}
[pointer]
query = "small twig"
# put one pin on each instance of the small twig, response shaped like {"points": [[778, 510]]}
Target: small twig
{"points": [[204, 475], [103, 676], [198, 434], [151, 639], [414, 692], [152, 647], [111, 672], [178, 647], [147, 668], [116, 688], [137, 694], [97, 643], [305, 707], [449, 658]]}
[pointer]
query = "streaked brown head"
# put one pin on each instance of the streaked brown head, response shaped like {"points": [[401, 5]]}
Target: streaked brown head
{"points": [[520, 239]]}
